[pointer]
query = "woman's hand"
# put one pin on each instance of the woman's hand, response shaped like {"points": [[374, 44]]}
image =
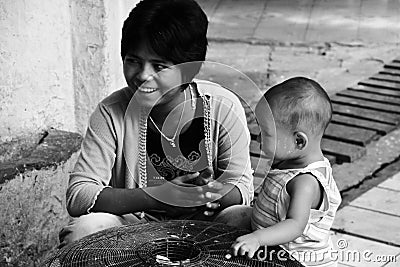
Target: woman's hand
{"points": [[246, 244], [204, 177], [213, 191], [211, 208], [182, 192], [177, 192]]}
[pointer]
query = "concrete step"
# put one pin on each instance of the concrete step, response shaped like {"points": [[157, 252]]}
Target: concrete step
{"points": [[359, 252]]}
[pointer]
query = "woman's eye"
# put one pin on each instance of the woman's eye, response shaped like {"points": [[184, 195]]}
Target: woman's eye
{"points": [[159, 67], [132, 61]]}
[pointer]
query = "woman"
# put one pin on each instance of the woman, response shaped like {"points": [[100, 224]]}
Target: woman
{"points": [[167, 146]]}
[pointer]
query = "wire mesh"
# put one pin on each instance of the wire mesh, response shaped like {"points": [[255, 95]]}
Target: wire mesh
{"points": [[171, 243]]}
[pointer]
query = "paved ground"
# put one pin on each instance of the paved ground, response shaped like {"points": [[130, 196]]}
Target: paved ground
{"points": [[338, 43]]}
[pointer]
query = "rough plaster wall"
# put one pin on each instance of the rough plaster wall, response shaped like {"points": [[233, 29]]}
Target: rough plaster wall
{"points": [[91, 77], [35, 67], [57, 61], [116, 13], [96, 31], [32, 213]]}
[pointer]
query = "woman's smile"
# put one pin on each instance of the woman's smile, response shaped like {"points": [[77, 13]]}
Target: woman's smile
{"points": [[145, 87], [147, 90]]}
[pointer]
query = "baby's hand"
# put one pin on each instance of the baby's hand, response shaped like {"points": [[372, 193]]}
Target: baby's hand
{"points": [[246, 244]]}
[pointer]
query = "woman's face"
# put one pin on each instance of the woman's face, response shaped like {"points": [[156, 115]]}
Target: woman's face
{"points": [[153, 80]]}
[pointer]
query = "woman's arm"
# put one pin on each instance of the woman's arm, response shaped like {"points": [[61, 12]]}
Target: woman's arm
{"points": [[304, 191], [93, 169], [88, 189], [233, 159], [121, 201]]}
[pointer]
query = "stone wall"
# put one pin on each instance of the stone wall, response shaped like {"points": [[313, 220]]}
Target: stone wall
{"points": [[35, 67], [97, 66], [58, 59], [32, 213], [32, 198]]}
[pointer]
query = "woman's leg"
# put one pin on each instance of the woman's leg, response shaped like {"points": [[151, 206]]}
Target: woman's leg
{"points": [[237, 215], [92, 223]]}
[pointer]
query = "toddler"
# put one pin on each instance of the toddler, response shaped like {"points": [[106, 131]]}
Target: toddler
{"points": [[299, 197]]}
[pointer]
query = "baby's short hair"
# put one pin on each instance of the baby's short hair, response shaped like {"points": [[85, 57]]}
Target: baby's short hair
{"points": [[300, 103]]}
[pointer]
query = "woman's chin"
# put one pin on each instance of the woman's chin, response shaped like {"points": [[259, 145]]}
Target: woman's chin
{"points": [[147, 99]]}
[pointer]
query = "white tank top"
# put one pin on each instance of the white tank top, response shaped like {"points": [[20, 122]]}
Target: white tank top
{"points": [[313, 247]]}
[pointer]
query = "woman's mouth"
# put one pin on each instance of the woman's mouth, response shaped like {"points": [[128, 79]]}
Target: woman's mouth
{"points": [[147, 89]]}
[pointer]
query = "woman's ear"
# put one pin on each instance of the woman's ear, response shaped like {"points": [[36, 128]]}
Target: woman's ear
{"points": [[301, 140]]}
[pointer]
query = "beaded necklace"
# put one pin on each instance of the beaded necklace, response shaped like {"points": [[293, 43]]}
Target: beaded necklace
{"points": [[143, 139]]}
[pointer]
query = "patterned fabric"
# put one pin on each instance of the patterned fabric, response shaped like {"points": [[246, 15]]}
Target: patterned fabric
{"points": [[143, 143], [188, 157], [314, 246]]}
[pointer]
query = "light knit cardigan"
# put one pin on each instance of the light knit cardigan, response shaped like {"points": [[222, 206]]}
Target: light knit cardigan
{"points": [[116, 135]]}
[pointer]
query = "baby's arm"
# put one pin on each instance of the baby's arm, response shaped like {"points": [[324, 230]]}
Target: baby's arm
{"points": [[304, 191]]}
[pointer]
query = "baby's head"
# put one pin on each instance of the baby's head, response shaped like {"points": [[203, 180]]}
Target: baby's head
{"points": [[301, 111]]}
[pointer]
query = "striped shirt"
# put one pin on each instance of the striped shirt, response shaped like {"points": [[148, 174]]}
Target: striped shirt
{"points": [[314, 247]]}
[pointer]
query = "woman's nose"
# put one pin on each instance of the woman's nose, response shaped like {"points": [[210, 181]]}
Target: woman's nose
{"points": [[146, 72]]}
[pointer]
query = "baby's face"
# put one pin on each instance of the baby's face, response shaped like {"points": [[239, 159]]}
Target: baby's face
{"points": [[277, 142]]}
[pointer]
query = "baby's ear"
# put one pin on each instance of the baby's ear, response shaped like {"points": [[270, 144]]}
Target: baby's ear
{"points": [[301, 140]]}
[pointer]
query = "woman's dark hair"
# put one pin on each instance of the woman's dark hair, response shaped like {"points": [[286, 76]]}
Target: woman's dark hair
{"points": [[176, 30]]}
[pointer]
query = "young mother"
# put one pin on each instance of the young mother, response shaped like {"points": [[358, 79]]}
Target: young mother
{"points": [[168, 146]]}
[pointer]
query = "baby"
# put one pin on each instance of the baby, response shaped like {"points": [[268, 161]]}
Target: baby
{"points": [[299, 197]]}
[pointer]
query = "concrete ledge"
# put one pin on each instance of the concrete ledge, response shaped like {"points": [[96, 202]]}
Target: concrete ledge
{"points": [[51, 147], [32, 197], [32, 213]]}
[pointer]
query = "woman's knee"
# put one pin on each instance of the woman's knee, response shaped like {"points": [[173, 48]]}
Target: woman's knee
{"points": [[238, 216], [88, 224]]}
